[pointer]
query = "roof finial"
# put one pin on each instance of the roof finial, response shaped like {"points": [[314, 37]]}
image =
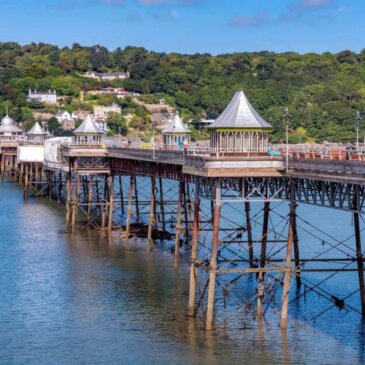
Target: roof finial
{"points": [[7, 109]]}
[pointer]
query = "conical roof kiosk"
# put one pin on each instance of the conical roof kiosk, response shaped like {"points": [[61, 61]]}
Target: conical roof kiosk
{"points": [[176, 133], [37, 133], [88, 132], [240, 129], [8, 129]]}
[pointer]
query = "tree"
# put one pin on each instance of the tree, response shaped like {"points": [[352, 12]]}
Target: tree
{"points": [[117, 124], [54, 126]]}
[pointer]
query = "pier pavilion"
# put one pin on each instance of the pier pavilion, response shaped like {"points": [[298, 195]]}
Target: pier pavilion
{"points": [[88, 132], [240, 129], [8, 129], [36, 133], [176, 133]]}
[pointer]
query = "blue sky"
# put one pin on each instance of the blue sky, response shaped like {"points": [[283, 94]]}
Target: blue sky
{"points": [[189, 26]]}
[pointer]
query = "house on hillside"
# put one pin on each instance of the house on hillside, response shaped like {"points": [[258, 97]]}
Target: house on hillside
{"points": [[79, 114], [65, 119], [102, 124], [101, 112], [47, 97], [107, 75]]}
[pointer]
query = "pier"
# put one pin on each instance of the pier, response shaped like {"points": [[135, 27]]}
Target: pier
{"points": [[188, 192]]}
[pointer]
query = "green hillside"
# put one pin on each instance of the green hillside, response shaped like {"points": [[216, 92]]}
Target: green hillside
{"points": [[322, 91]]}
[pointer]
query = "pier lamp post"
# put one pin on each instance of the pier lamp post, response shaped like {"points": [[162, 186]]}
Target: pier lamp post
{"points": [[357, 123], [286, 117]]}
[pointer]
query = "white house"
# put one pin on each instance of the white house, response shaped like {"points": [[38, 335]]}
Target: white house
{"points": [[107, 75], [47, 97], [63, 115], [65, 119], [101, 112], [102, 124]]}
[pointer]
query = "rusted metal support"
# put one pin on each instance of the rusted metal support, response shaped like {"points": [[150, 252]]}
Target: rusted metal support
{"points": [[178, 222], [68, 201], [151, 218], [120, 179], [75, 195], [162, 204], [296, 250], [186, 217], [136, 197], [249, 233], [90, 197], [359, 255], [49, 181], [105, 202], [261, 287], [213, 259], [26, 183], [59, 187], [194, 252], [288, 269], [129, 208], [111, 201]]}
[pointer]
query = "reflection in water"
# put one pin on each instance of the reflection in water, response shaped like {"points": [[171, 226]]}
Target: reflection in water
{"points": [[92, 298]]}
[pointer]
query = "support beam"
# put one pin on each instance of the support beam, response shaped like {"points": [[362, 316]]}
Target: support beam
{"points": [[178, 222], [162, 205], [111, 201], [213, 259], [359, 255], [288, 269], [194, 252], [261, 287], [129, 208], [68, 201], [151, 218], [249, 233]]}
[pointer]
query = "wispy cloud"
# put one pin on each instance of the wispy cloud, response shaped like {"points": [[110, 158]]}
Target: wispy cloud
{"points": [[310, 5], [161, 2], [302, 8], [112, 2], [250, 21]]}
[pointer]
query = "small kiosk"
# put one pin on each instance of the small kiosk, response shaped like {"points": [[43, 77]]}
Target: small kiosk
{"points": [[176, 133], [88, 132], [240, 129]]}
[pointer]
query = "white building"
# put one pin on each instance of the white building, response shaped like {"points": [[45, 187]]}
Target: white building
{"points": [[107, 75], [63, 115], [66, 120], [47, 97], [102, 124], [101, 112]]}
